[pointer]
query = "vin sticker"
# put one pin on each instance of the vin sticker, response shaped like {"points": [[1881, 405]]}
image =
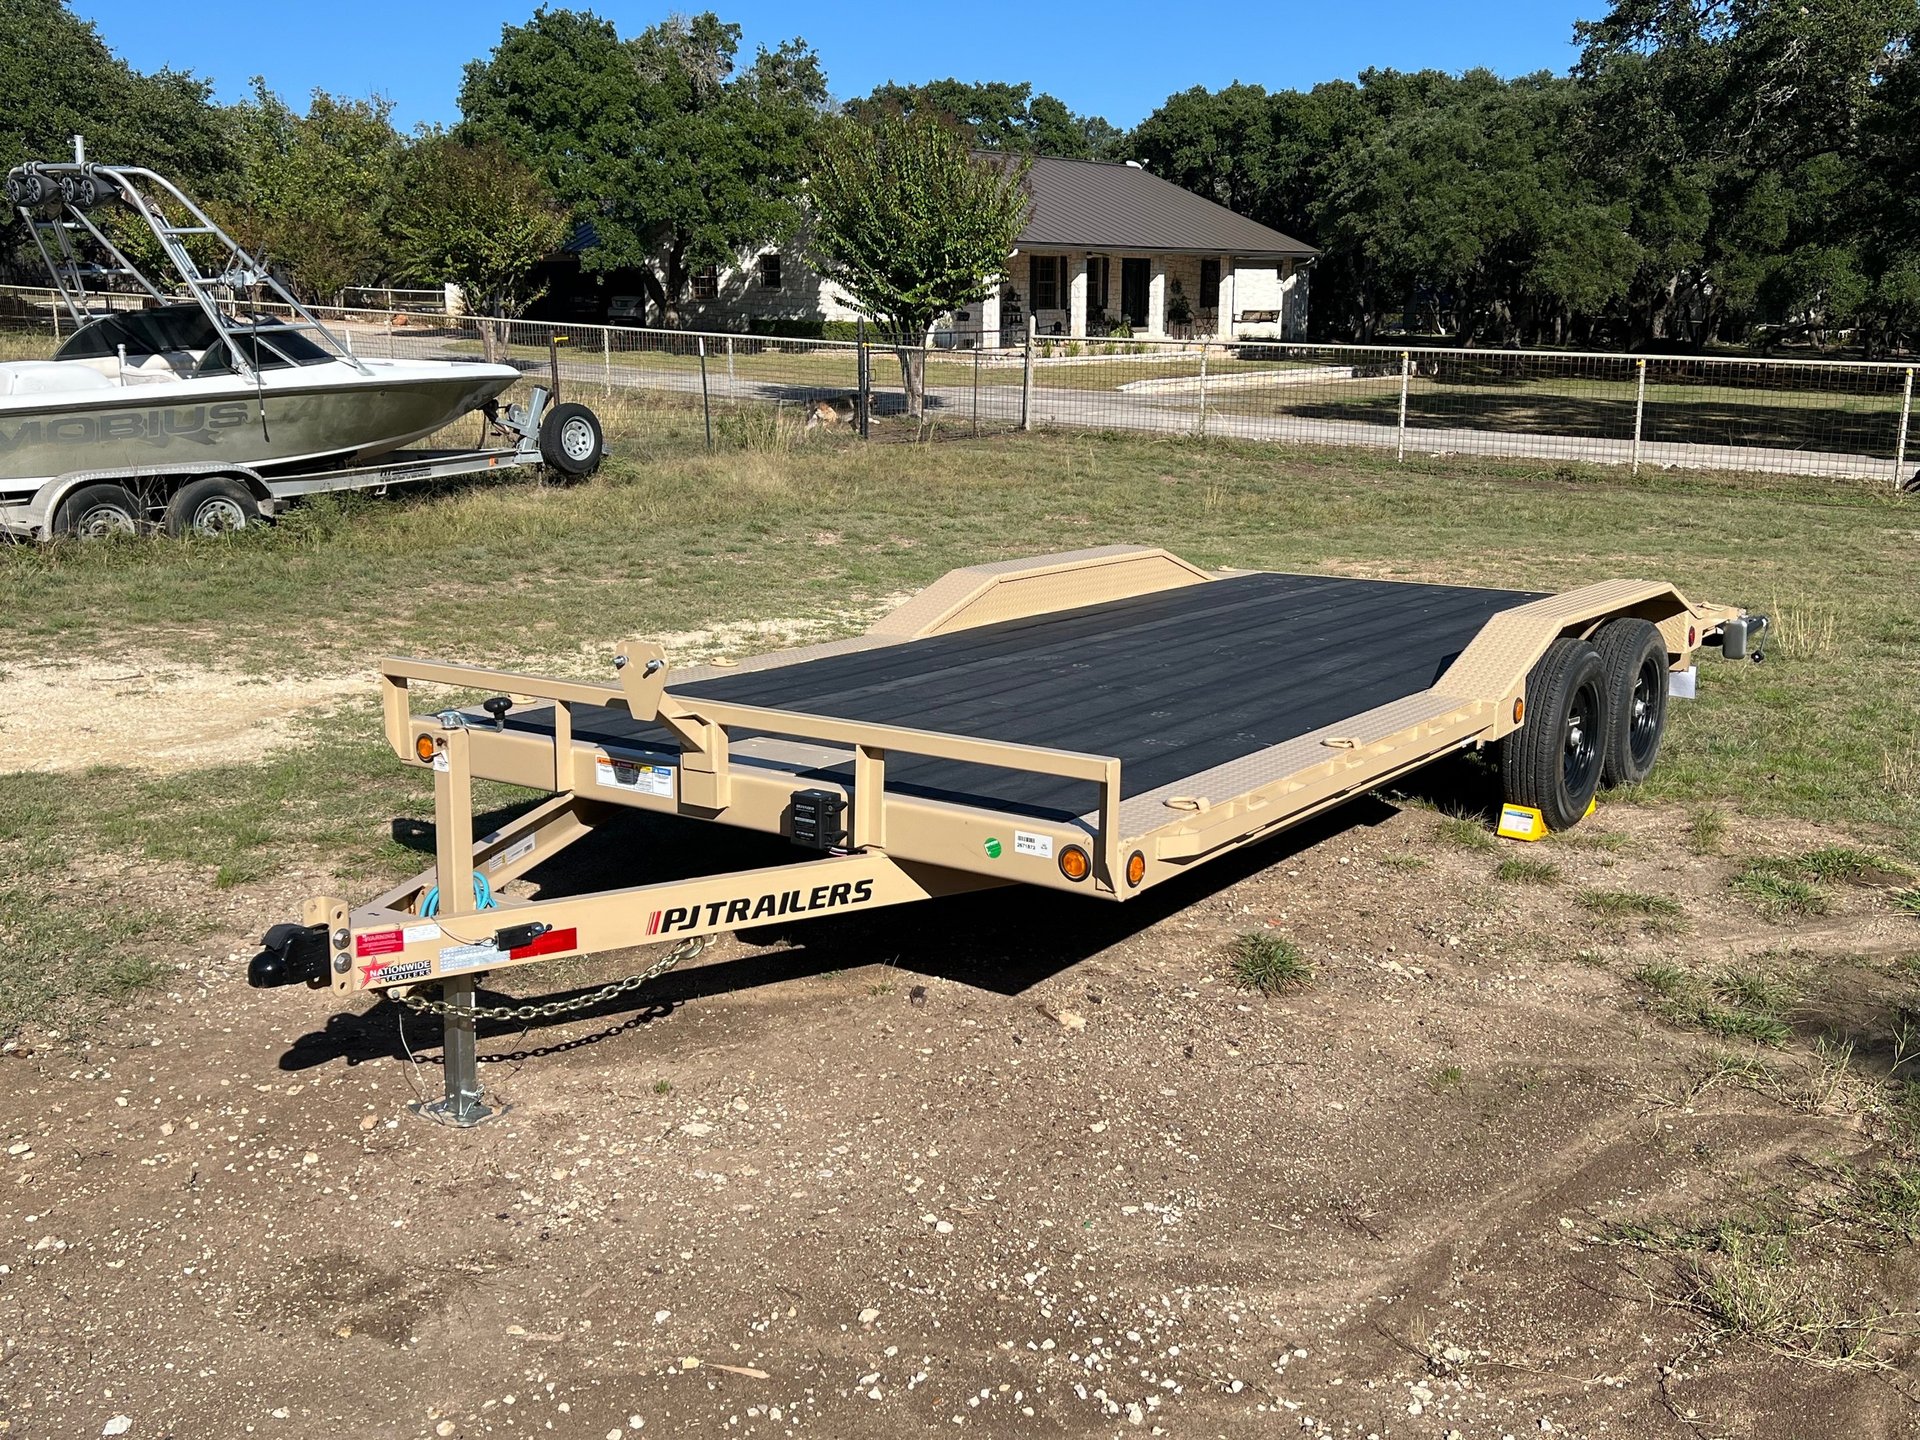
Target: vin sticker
{"points": [[455, 958], [414, 934], [522, 846], [1025, 842], [634, 775]]}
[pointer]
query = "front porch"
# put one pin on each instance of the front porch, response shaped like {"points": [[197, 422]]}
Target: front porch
{"points": [[1154, 296]]}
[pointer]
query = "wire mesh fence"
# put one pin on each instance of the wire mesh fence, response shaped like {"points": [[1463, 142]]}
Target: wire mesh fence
{"points": [[1832, 418]]}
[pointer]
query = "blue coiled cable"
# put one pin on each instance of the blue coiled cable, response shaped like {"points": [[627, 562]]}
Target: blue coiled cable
{"points": [[482, 897]]}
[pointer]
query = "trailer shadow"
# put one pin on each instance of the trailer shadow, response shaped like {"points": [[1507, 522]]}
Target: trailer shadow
{"points": [[1003, 941]]}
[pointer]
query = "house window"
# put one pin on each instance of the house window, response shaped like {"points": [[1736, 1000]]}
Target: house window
{"points": [[770, 270], [1209, 282], [1098, 267], [706, 283], [1049, 287]]}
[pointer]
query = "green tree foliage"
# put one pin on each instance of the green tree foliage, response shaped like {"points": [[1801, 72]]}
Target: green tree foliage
{"points": [[1714, 169], [1000, 116], [473, 215], [673, 154], [315, 190], [59, 79], [911, 225]]}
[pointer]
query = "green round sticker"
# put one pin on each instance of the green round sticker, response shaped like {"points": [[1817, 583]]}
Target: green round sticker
{"points": [[993, 848]]}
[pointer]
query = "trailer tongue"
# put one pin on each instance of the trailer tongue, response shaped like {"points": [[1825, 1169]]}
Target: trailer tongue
{"points": [[1095, 722]]}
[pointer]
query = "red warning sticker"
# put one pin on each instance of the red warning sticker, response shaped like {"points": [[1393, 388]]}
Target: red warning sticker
{"points": [[551, 943], [378, 942]]}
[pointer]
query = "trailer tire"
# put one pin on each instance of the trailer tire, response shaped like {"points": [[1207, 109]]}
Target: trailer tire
{"points": [[95, 511], [212, 505], [570, 441], [1554, 760], [1635, 656]]}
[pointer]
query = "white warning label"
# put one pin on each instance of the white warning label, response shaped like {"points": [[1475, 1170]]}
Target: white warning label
{"points": [[1025, 842], [634, 775]]}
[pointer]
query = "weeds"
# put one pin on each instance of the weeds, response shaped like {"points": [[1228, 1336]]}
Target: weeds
{"points": [[1521, 871], [1734, 1004], [1778, 891], [1268, 963], [1656, 912], [1469, 832], [1706, 830], [1445, 1077]]}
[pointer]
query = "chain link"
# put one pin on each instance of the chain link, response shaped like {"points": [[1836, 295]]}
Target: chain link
{"points": [[548, 1009]]}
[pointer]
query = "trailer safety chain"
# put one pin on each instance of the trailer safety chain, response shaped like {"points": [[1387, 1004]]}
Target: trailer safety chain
{"points": [[548, 1009]]}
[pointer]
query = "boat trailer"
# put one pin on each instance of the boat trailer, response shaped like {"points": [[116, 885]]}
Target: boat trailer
{"points": [[1095, 723]]}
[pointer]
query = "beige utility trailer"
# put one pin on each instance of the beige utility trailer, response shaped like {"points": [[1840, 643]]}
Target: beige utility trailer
{"points": [[1095, 723]]}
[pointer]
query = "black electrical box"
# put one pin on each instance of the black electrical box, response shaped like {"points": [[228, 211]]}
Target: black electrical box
{"points": [[817, 819]]}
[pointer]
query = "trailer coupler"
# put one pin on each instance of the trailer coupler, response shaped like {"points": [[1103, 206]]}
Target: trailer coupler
{"points": [[291, 955], [1739, 638]]}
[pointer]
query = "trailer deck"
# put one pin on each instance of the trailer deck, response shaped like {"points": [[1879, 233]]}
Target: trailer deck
{"points": [[1095, 722], [1174, 684]]}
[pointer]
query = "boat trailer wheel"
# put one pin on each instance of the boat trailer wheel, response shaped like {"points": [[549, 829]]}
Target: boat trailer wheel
{"points": [[570, 440]]}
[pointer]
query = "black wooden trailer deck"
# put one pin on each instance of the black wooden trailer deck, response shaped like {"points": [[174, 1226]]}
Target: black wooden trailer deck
{"points": [[1173, 684]]}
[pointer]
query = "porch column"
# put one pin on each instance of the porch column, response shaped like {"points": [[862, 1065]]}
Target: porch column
{"points": [[1077, 298], [1226, 326], [990, 316], [1157, 298]]}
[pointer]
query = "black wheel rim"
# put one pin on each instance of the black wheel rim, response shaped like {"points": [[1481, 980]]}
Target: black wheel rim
{"points": [[1643, 719], [1580, 760]]}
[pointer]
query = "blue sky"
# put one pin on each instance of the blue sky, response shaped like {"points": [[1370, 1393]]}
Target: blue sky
{"points": [[1119, 59]]}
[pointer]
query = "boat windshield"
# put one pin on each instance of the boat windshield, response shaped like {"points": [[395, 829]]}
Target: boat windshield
{"points": [[169, 328], [268, 345]]}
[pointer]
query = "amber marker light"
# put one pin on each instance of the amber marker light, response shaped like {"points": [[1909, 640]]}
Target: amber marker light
{"points": [[1519, 711], [1075, 863], [423, 747], [1136, 869]]}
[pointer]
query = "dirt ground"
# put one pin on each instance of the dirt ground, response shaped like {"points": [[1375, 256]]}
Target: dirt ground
{"points": [[880, 1181]]}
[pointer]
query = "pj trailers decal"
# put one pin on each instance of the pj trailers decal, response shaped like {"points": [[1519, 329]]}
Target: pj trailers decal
{"points": [[748, 909]]}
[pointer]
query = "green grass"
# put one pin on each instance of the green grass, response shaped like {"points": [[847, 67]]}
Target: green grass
{"points": [[1630, 905], [1267, 962], [1777, 888], [1733, 1004], [1444, 1078], [1706, 831], [1908, 900], [821, 534], [1469, 832], [1521, 871]]}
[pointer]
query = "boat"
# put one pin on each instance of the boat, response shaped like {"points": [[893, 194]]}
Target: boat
{"points": [[222, 369]]}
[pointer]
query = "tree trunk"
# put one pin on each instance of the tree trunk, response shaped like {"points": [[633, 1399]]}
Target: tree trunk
{"points": [[656, 292], [913, 376]]}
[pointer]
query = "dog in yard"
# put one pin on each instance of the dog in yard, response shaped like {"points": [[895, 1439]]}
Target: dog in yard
{"points": [[833, 414]]}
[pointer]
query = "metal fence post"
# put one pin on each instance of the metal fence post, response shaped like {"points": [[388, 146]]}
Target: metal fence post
{"points": [[863, 378], [53, 309], [730, 385], [1026, 381], [606, 356], [1906, 418], [1639, 412], [1406, 374], [1203, 390], [976, 384], [706, 397]]}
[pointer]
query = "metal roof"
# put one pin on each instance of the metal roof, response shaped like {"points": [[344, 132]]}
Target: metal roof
{"points": [[1100, 205]]}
